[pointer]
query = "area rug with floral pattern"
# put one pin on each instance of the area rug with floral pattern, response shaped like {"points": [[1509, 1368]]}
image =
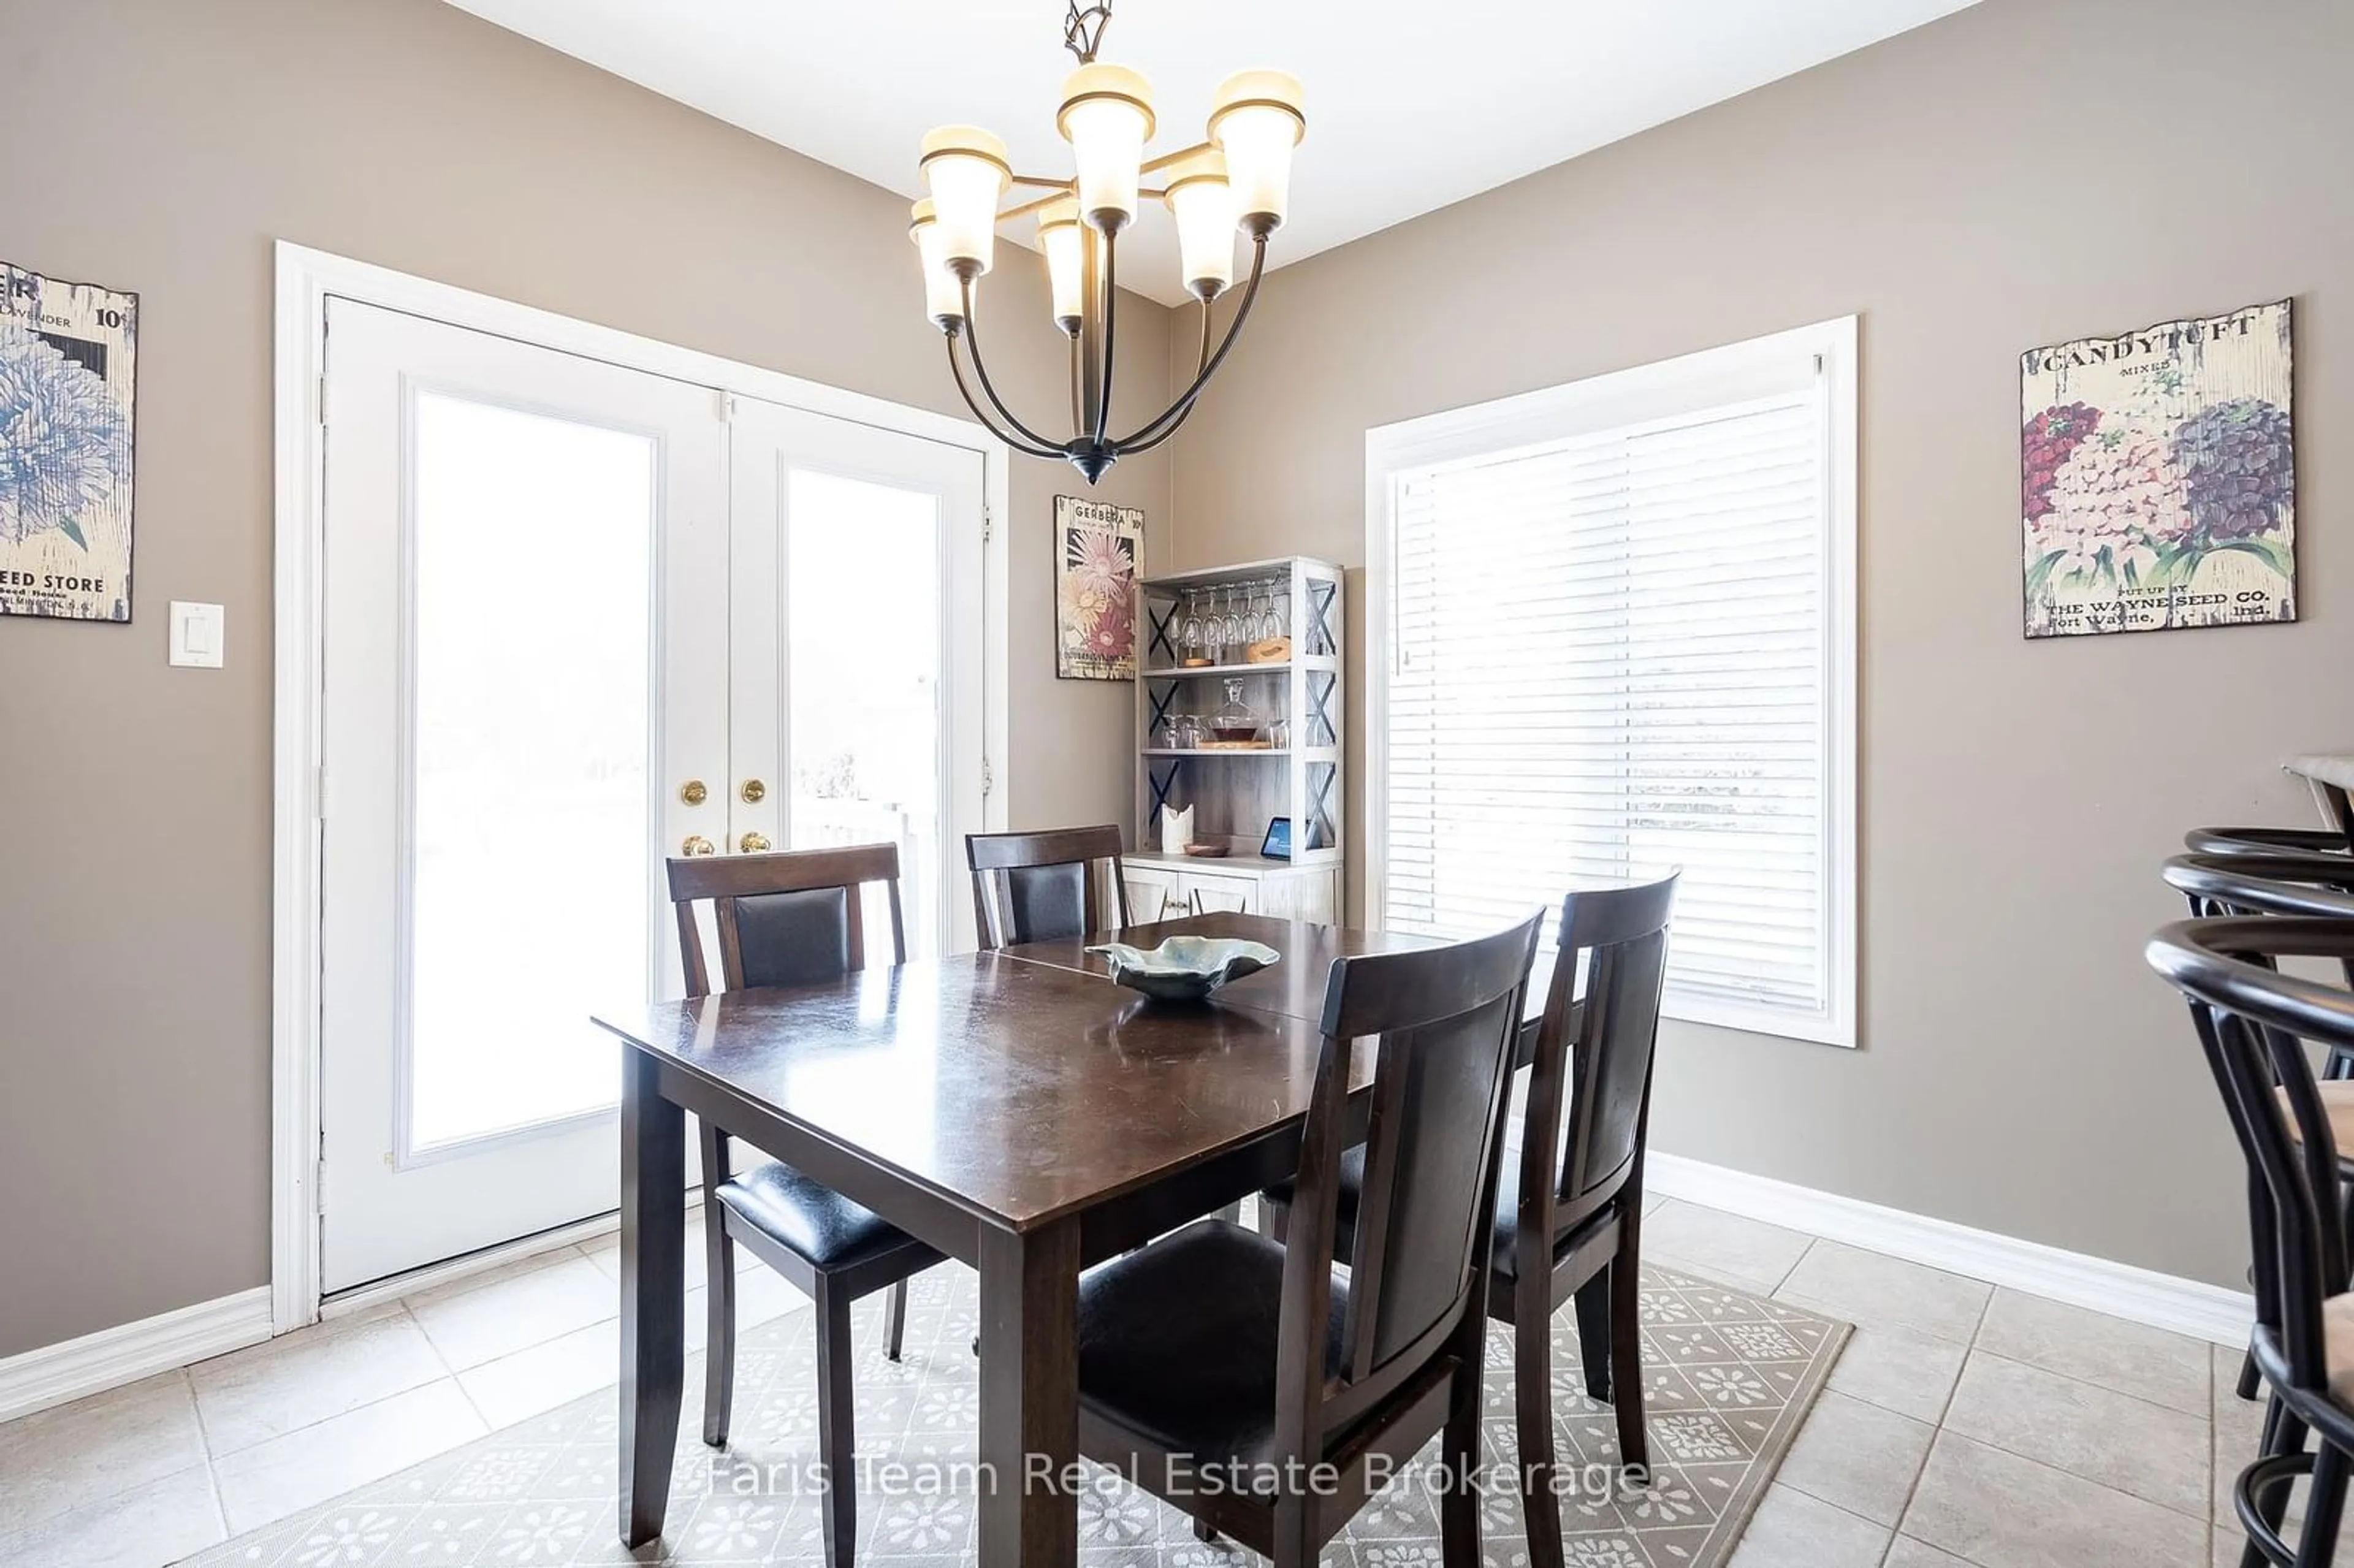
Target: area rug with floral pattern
{"points": [[1728, 1377]]}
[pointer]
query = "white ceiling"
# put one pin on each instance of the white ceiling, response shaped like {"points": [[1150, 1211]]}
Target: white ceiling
{"points": [[1412, 104]]}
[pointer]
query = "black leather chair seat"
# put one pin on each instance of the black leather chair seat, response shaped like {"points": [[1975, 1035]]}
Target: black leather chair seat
{"points": [[1177, 1340], [809, 1217]]}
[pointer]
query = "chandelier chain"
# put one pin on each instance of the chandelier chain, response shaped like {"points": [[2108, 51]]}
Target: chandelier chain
{"points": [[1083, 30]]}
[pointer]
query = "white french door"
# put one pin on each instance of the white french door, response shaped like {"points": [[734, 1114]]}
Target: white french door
{"points": [[557, 592], [857, 607]]}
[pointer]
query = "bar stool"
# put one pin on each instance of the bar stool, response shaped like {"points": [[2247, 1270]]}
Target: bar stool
{"points": [[2253, 1024]]}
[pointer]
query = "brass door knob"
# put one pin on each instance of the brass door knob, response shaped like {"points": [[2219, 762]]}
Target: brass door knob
{"points": [[697, 845], [752, 844], [753, 791], [694, 792]]}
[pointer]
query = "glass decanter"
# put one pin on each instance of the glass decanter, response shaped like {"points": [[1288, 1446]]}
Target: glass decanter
{"points": [[1234, 724]]}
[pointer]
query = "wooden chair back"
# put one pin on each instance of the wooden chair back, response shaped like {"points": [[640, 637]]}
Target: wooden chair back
{"points": [[1442, 1025], [1583, 1131], [2253, 1024], [793, 917], [1042, 887]]}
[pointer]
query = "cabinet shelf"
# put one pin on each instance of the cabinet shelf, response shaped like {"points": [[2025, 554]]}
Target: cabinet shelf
{"points": [[1217, 751], [1197, 672]]}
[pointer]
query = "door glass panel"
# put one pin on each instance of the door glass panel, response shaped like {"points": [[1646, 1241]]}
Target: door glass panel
{"points": [[530, 814], [864, 616]]}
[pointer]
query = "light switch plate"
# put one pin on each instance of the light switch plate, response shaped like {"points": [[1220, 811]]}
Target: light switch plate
{"points": [[197, 632]]}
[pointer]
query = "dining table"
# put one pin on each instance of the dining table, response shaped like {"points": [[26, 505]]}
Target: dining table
{"points": [[1015, 1109]]}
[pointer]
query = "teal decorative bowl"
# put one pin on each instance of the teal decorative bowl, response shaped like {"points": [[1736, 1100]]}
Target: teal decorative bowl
{"points": [[1185, 968]]}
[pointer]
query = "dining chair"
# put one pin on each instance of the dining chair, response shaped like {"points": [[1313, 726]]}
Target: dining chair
{"points": [[1043, 886], [2253, 1023], [2249, 883], [787, 919], [1569, 1204], [1222, 1371], [2246, 882], [2264, 841]]}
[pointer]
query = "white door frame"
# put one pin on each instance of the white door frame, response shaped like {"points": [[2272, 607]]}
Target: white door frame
{"points": [[305, 278]]}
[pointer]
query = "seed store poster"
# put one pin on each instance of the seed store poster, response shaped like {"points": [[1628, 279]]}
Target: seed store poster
{"points": [[2158, 477], [68, 357], [1098, 551]]}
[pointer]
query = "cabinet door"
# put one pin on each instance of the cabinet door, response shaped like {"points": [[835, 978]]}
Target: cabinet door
{"points": [[1152, 894], [1316, 897], [1278, 897], [1220, 895]]}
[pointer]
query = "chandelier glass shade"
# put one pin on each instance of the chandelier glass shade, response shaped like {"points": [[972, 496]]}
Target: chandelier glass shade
{"points": [[1235, 182]]}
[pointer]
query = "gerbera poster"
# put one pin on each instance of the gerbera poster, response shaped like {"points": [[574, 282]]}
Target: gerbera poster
{"points": [[2158, 477], [69, 355], [1098, 551]]}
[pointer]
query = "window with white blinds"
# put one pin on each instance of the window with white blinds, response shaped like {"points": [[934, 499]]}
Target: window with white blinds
{"points": [[1626, 647]]}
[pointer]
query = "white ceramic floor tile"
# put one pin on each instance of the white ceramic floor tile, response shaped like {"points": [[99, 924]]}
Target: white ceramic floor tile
{"points": [[2154, 1453], [1906, 1552], [517, 1312], [2238, 1428], [63, 1459], [1739, 1251], [1869, 1288], [1791, 1529], [154, 1523], [513, 1269], [763, 1293], [272, 1480], [2148, 1363], [310, 1375], [1857, 1456], [1902, 1369], [1998, 1510], [519, 1386]]}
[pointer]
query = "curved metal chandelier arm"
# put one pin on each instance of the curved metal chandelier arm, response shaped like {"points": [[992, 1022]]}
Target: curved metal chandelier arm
{"points": [[972, 347], [956, 368], [1110, 308], [1160, 429]]}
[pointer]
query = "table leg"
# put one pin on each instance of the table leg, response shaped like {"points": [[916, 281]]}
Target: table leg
{"points": [[654, 1295], [1029, 1396]]}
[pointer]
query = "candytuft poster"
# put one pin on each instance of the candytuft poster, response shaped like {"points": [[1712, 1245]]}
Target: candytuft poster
{"points": [[2158, 477]]}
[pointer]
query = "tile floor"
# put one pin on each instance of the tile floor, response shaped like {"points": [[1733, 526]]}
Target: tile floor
{"points": [[1965, 1426]]}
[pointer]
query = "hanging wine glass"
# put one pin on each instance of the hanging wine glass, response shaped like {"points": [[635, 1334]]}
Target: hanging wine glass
{"points": [[1190, 634], [1213, 633], [1237, 633], [1270, 620]]}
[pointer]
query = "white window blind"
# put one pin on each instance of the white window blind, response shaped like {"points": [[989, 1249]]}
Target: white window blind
{"points": [[1610, 655]]}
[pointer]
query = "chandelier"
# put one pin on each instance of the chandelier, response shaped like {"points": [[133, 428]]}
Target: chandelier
{"points": [[1239, 179]]}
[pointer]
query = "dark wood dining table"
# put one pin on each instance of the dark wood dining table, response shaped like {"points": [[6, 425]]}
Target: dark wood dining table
{"points": [[1016, 1111]]}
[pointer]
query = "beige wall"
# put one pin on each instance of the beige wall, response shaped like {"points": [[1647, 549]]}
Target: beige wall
{"points": [[2024, 172], [162, 146]]}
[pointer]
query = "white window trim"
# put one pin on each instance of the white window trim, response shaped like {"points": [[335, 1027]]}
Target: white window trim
{"points": [[305, 277], [1624, 397]]}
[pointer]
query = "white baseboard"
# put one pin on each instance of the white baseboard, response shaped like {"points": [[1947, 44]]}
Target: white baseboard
{"points": [[55, 1374], [2138, 1295]]}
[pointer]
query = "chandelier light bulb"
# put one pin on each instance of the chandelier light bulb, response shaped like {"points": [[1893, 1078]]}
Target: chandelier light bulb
{"points": [[1107, 117], [1257, 124], [966, 173], [943, 293], [1202, 200], [1060, 237]]}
